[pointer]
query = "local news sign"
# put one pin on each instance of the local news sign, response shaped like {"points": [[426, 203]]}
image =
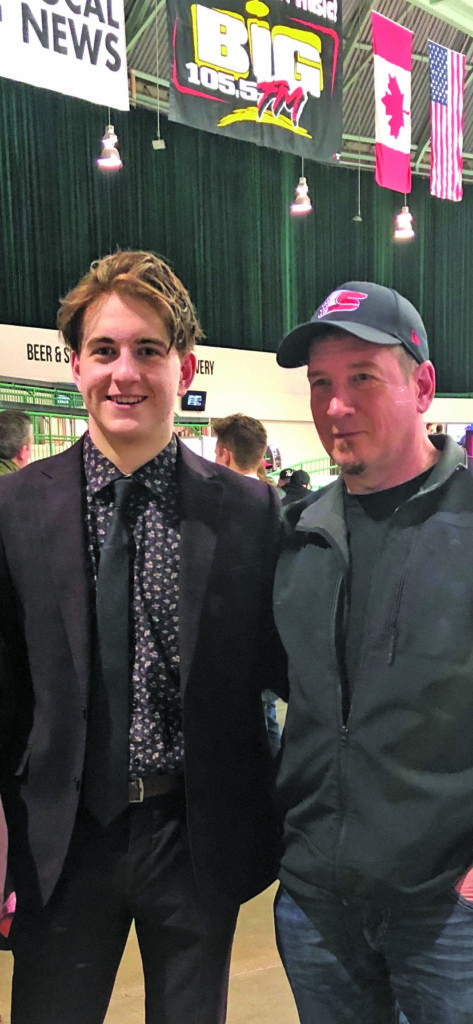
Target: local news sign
{"points": [[269, 73], [76, 47]]}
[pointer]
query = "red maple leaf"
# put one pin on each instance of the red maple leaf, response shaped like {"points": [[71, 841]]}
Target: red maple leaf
{"points": [[393, 102]]}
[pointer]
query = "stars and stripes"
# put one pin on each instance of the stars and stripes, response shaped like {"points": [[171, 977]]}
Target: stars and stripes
{"points": [[447, 73]]}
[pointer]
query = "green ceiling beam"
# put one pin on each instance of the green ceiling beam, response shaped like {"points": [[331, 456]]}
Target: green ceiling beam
{"points": [[137, 23], [458, 13]]}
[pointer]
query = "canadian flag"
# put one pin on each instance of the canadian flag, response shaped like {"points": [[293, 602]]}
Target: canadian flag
{"points": [[392, 48]]}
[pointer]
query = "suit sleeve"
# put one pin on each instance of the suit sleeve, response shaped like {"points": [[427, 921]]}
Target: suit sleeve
{"points": [[15, 688], [276, 658]]}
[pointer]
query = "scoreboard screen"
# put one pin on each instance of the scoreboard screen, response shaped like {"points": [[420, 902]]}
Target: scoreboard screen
{"points": [[193, 401]]}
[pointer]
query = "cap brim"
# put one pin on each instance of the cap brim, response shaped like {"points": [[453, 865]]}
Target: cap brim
{"points": [[294, 348]]}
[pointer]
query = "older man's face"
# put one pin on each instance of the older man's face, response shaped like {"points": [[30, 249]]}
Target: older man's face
{"points": [[367, 410]]}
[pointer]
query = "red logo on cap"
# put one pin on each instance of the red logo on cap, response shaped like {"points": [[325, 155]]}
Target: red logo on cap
{"points": [[341, 302], [415, 337]]}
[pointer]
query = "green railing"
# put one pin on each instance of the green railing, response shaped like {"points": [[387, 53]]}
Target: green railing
{"points": [[30, 395], [64, 421], [61, 423], [64, 417]]}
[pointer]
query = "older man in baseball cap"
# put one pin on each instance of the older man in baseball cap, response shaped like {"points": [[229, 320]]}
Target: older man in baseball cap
{"points": [[374, 604]]}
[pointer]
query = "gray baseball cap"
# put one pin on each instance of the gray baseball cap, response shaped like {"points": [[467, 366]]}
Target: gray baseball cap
{"points": [[369, 311]]}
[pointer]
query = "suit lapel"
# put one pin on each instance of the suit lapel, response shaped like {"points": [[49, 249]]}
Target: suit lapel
{"points": [[201, 495], [61, 516]]}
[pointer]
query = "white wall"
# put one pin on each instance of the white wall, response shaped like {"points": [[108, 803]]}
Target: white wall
{"points": [[33, 353], [235, 381], [297, 441], [450, 410]]}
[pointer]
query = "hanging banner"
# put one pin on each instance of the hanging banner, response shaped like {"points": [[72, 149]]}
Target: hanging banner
{"points": [[76, 47], [266, 72], [392, 50], [447, 83]]}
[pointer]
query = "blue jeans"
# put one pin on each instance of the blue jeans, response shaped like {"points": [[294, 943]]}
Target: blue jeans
{"points": [[348, 964], [274, 733]]}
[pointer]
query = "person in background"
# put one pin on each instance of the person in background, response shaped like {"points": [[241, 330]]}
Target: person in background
{"points": [[241, 443], [297, 487], [284, 478], [135, 611], [16, 440], [262, 474], [373, 599], [271, 458]]}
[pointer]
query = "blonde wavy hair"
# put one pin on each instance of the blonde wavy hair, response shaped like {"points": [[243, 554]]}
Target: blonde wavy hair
{"points": [[139, 275]]}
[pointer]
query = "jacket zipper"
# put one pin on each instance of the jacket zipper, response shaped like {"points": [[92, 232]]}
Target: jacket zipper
{"points": [[343, 739], [393, 622], [336, 618], [341, 831]]}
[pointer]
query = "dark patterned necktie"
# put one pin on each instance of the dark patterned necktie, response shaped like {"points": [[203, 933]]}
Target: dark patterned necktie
{"points": [[106, 768]]}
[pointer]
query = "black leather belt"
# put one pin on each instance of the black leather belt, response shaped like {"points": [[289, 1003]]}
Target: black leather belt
{"points": [[152, 785]]}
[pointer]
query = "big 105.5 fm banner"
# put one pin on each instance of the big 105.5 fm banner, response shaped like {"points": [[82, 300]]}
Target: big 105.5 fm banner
{"points": [[266, 72]]}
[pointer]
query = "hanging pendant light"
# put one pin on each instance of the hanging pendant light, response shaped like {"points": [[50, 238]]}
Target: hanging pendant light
{"points": [[158, 142], [403, 229], [301, 204], [109, 159], [358, 219]]}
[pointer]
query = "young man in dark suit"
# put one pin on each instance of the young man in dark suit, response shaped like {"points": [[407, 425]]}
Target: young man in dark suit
{"points": [[140, 775]]}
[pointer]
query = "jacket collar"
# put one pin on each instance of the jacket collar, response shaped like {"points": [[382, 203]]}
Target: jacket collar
{"points": [[8, 466], [58, 483], [200, 492], [325, 514], [200, 500], [452, 457]]}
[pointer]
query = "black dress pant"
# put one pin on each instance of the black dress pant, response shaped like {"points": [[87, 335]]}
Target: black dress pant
{"points": [[67, 954]]}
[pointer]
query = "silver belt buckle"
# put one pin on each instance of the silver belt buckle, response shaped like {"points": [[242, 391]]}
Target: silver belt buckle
{"points": [[141, 792]]}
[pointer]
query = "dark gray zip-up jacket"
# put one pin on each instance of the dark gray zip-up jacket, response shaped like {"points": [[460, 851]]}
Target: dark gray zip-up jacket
{"points": [[383, 801]]}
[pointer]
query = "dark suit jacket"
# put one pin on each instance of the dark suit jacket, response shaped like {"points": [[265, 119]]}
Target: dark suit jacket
{"points": [[228, 653]]}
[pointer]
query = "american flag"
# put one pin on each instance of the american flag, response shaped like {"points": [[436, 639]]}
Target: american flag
{"points": [[447, 72]]}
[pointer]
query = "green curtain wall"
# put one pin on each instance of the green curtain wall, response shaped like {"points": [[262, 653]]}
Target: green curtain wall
{"points": [[218, 211]]}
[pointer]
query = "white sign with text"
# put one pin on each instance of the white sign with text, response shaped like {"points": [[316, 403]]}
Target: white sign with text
{"points": [[75, 47]]}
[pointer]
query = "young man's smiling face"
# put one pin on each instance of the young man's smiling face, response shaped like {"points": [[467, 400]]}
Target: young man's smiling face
{"points": [[129, 379]]}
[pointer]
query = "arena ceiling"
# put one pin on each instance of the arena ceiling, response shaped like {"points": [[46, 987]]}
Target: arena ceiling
{"points": [[449, 22]]}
